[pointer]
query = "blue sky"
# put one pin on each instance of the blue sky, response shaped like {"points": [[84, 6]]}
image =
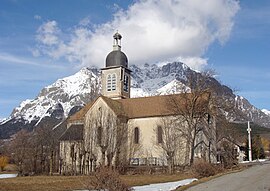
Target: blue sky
{"points": [[42, 41]]}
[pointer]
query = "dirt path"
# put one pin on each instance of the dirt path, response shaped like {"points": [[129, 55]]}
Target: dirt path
{"points": [[256, 178]]}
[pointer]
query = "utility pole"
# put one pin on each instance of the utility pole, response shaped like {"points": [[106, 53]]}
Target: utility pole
{"points": [[249, 143]]}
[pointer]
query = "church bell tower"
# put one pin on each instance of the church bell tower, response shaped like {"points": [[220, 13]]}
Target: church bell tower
{"points": [[116, 75]]}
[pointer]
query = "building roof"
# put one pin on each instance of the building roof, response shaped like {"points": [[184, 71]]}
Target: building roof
{"points": [[154, 106], [116, 58], [157, 106], [79, 116], [73, 133]]}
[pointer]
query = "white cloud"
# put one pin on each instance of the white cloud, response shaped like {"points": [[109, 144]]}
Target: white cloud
{"points": [[37, 17], [4, 57], [12, 59], [35, 52], [48, 33], [152, 30], [196, 63], [85, 21]]}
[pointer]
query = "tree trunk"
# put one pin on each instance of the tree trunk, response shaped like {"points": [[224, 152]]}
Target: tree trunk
{"points": [[103, 158], [109, 159], [51, 164], [91, 165], [192, 149], [170, 166], [209, 151]]}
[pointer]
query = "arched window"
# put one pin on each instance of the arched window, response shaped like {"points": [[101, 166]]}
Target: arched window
{"points": [[99, 135], [111, 82], [159, 134], [136, 135], [125, 83]]}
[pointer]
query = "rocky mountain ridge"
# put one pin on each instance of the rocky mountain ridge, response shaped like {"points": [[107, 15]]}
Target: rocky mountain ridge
{"points": [[66, 96], [267, 112]]}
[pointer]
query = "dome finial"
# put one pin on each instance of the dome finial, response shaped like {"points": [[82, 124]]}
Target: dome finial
{"points": [[117, 41]]}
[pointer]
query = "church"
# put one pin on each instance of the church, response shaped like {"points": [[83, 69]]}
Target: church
{"points": [[120, 131]]}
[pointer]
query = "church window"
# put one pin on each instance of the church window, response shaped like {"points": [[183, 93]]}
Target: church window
{"points": [[111, 82], [99, 135], [159, 134], [121, 76], [125, 83], [136, 135]]}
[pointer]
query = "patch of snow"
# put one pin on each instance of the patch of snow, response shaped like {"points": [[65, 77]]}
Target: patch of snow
{"points": [[168, 186], [8, 175], [5, 120], [138, 92], [267, 112], [2, 120], [173, 87], [57, 125]]}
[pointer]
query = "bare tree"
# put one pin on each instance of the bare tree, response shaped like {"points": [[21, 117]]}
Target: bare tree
{"points": [[90, 144], [47, 142], [20, 147], [106, 132], [194, 108], [169, 139]]}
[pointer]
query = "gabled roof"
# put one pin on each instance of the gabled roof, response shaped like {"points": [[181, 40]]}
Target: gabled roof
{"points": [[146, 107], [142, 107], [79, 116], [73, 133], [157, 106]]}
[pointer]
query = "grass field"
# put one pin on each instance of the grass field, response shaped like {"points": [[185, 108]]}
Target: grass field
{"points": [[63, 183]]}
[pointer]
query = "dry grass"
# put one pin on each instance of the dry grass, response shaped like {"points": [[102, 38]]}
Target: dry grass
{"points": [[63, 183], [68, 183]]}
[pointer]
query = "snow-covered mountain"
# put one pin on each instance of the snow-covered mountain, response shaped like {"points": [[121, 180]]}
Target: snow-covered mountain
{"points": [[54, 103], [66, 96], [251, 113], [149, 80], [267, 112]]}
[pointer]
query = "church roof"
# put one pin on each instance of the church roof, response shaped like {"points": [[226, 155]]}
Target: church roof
{"points": [[154, 106], [116, 58], [73, 133], [79, 116]]}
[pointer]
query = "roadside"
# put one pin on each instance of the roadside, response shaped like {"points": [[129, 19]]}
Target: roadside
{"points": [[64, 183], [254, 178], [150, 182]]}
